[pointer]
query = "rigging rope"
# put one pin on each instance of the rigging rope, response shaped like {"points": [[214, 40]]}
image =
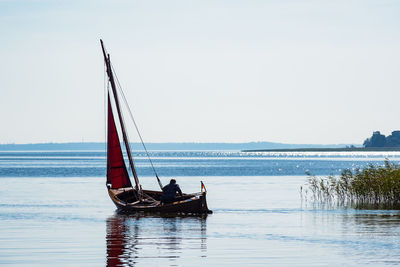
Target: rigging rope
{"points": [[136, 127]]}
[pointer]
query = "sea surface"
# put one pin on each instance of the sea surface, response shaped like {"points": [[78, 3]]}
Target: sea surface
{"points": [[55, 211]]}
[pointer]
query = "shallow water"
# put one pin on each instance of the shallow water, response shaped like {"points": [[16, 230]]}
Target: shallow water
{"points": [[257, 220]]}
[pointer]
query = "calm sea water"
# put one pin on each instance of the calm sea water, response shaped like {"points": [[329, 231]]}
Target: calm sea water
{"points": [[55, 211]]}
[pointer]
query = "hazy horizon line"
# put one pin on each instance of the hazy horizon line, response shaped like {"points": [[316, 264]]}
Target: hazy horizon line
{"points": [[178, 142], [169, 146]]}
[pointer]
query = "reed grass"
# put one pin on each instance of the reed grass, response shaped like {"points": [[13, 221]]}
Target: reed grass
{"points": [[375, 186]]}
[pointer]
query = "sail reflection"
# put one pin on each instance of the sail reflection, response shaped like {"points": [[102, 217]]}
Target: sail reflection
{"points": [[143, 238]]}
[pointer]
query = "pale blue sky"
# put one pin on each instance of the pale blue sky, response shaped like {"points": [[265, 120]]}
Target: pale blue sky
{"points": [[202, 71]]}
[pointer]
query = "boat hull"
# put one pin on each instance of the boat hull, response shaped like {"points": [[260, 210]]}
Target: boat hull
{"points": [[193, 204]]}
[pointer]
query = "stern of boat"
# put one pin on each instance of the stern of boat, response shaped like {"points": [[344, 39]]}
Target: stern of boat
{"points": [[203, 203]]}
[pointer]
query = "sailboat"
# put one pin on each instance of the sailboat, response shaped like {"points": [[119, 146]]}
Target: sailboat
{"points": [[126, 197]]}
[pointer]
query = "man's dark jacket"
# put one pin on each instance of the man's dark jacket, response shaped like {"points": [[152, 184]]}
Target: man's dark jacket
{"points": [[169, 192]]}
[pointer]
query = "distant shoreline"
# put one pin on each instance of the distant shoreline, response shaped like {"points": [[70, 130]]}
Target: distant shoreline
{"points": [[344, 149], [190, 146], [243, 147]]}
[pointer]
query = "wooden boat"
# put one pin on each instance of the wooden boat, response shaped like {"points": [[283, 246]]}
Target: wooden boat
{"points": [[130, 198]]}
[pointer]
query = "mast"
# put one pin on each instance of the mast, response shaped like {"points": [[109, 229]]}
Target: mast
{"points": [[121, 121]]}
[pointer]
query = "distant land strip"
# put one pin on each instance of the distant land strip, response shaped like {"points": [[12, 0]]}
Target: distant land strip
{"points": [[331, 149], [100, 146]]}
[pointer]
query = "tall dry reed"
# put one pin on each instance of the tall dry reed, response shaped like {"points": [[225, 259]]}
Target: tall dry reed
{"points": [[373, 186]]}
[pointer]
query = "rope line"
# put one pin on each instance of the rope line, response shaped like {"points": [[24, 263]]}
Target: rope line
{"points": [[136, 127]]}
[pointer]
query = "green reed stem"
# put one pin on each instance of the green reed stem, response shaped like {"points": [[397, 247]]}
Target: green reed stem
{"points": [[377, 186]]}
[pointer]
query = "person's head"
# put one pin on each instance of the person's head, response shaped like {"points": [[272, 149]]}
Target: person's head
{"points": [[173, 181]]}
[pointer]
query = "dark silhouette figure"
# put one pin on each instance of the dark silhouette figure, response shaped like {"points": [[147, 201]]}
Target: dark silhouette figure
{"points": [[170, 191]]}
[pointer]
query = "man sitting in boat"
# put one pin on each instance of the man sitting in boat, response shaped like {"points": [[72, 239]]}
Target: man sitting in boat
{"points": [[169, 192]]}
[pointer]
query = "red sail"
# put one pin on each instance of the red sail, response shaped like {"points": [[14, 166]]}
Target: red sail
{"points": [[117, 175]]}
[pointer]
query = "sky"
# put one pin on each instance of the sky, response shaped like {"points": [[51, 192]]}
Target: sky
{"points": [[301, 71]]}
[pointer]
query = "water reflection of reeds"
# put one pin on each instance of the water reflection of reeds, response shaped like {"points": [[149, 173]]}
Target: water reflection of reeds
{"points": [[131, 238], [368, 237]]}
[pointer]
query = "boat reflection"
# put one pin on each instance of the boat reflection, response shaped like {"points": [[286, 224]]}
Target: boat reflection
{"points": [[144, 238]]}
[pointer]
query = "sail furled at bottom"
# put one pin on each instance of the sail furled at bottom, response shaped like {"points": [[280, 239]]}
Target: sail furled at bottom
{"points": [[117, 174]]}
